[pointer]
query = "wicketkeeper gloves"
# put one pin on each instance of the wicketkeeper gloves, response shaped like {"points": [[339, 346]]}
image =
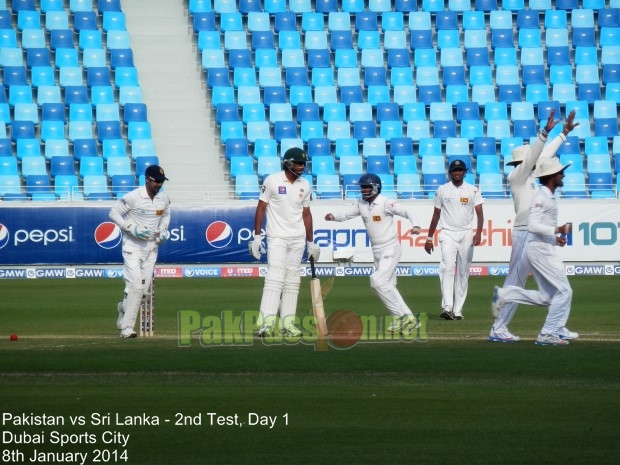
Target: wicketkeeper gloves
{"points": [[256, 247], [314, 251], [162, 236], [139, 232]]}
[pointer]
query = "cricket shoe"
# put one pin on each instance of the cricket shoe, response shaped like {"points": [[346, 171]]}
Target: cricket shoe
{"points": [[567, 335], [265, 330], [459, 317], [550, 340], [447, 314], [502, 335], [128, 333], [497, 303], [396, 324], [410, 325], [291, 331], [121, 315]]}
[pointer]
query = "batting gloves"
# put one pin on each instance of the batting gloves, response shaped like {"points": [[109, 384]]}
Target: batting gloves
{"points": [[162, 236], [314, 251], [139, 232], [256, 247]]}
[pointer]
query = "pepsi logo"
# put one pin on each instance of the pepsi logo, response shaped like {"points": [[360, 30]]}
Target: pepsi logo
{"points": [[108, 235], [4, 236], [219, 234]]}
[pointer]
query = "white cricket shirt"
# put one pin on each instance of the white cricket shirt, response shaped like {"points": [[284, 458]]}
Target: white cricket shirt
{"points": [[378, 217], [543, 217], [457, 205], [522, 180], [138, 208], [286, 202]]}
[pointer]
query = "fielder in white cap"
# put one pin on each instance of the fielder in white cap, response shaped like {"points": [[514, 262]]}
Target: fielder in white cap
{"points": [[456, 203], [285, 202], [144, 215], [554, 290], [523, 187]]}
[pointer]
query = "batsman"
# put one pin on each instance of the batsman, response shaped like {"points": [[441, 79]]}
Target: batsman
{"points": [[378, 211], [144, 215]]}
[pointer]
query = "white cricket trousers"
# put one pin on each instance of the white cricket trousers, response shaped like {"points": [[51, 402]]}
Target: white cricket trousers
{"points": [[457, 253], [139, 262], [281, 287], [554, 290], [518, 271], [383, 280]]}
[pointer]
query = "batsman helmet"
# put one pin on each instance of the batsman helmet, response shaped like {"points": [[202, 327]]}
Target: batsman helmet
{"points": [[370, 180], [292, 156]]}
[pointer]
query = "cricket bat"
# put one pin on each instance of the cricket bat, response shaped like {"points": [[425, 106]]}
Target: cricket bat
{"points": [[317, 308]]}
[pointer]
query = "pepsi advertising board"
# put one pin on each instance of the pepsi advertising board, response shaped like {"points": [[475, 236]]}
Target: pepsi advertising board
{"points": [[206, 234], [86, 235]]}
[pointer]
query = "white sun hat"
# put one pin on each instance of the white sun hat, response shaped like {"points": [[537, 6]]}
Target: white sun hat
{"points": [[550, 166]]}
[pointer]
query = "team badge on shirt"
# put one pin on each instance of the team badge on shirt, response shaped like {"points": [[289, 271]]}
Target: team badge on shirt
{"points": [[282, 190], [464, 200], [376, 218]]}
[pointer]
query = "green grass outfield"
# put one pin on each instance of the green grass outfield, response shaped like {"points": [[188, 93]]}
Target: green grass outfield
{"points": [[454, 399]]}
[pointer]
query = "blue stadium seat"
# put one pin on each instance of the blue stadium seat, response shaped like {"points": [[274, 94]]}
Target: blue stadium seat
{"points": [[477, 57], [417, 130], [105, 94], [241, 165], [65, 185], [556, 37], [401, 146], [421, 39], [408, 186], [247, 187], [491, 185], [115, 21], [389, 130], [364, 129], [544, 108], [424, 57], [498, 129], [611, 73], [26, 148], [320, 146], [574, 186], [323, 164], [446, 20], [448, 38], [121, 184], [328, 186], [117, 166], [84, 147], [108, 5], [268, 165], [113, 148], [34, 57], [90, 165], [22, 130], [475, 39], [574, 160], [405, 164], [378, 164], [236, 148], [374, 146], [322, 77], [606, 127], [533, 74], [401, 76], [70, 76]]}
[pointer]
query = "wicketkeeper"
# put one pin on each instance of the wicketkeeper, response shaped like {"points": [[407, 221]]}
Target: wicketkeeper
{"points": [[144, 215]]}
